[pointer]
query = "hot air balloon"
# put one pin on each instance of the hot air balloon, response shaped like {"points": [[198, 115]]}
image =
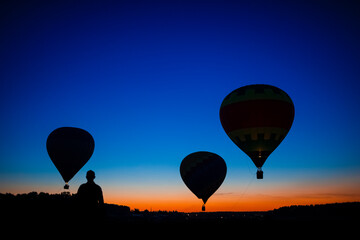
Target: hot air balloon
{"points": [[203, 173], [257, 118], [69, 149]]}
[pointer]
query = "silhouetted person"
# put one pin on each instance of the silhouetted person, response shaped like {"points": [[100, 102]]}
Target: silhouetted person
{"points": [[91, 199]]}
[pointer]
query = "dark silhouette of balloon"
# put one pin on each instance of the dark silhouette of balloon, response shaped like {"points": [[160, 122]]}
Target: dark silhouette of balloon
{"points": [[203, 173], [257, 118], [69, 149]]}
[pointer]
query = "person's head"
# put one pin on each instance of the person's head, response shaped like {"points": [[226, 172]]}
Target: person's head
{"points": [[90, 175]]}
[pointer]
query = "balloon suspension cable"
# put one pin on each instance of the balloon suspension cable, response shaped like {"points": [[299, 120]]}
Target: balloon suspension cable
{"points": [[203, 207], [259, 174]]}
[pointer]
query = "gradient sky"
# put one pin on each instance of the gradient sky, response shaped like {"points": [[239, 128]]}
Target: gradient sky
{"points": [[147, 78]]}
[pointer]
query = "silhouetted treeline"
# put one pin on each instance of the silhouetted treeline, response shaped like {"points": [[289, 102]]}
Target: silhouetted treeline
{"points": [[324, 212], [64, 208], [27, 208], [34, 208]]}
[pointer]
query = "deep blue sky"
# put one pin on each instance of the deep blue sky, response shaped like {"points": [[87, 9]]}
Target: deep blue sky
{"points": [[146, 79]]}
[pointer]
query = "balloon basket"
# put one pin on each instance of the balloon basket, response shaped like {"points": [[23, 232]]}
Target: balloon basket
{"points": [[203, 208], [66, 186], [259, 174]]}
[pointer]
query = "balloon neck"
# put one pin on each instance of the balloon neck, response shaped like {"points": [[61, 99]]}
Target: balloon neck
{"points": [[66, 186], [203, 208], [259, 174]]}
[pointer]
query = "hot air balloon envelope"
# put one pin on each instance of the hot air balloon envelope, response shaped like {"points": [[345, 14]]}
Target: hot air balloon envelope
{"points": [[69, 149], [257, 118], [203, 173]]}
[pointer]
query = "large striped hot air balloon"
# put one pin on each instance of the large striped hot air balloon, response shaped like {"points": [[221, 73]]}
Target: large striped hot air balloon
{"points": [[257, 118], [203, 173]]}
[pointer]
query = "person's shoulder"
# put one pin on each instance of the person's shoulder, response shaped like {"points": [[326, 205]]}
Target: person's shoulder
{"points": [[83, 186], [81, 189], [97, 186]]}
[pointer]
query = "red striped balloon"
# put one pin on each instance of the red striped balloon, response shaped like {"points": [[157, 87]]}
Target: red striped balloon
{"points": [[257, 118]]}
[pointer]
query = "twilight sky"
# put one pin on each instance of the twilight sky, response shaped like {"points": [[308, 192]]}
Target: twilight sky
{"points": [[147, 78]]}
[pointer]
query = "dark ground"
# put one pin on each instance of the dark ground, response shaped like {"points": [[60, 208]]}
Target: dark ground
{"points": [[35, 211]]}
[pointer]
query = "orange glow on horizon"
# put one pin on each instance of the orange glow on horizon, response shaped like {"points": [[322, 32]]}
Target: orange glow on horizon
{"points": [[249, 204], [257, 198], [256, 202]]}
